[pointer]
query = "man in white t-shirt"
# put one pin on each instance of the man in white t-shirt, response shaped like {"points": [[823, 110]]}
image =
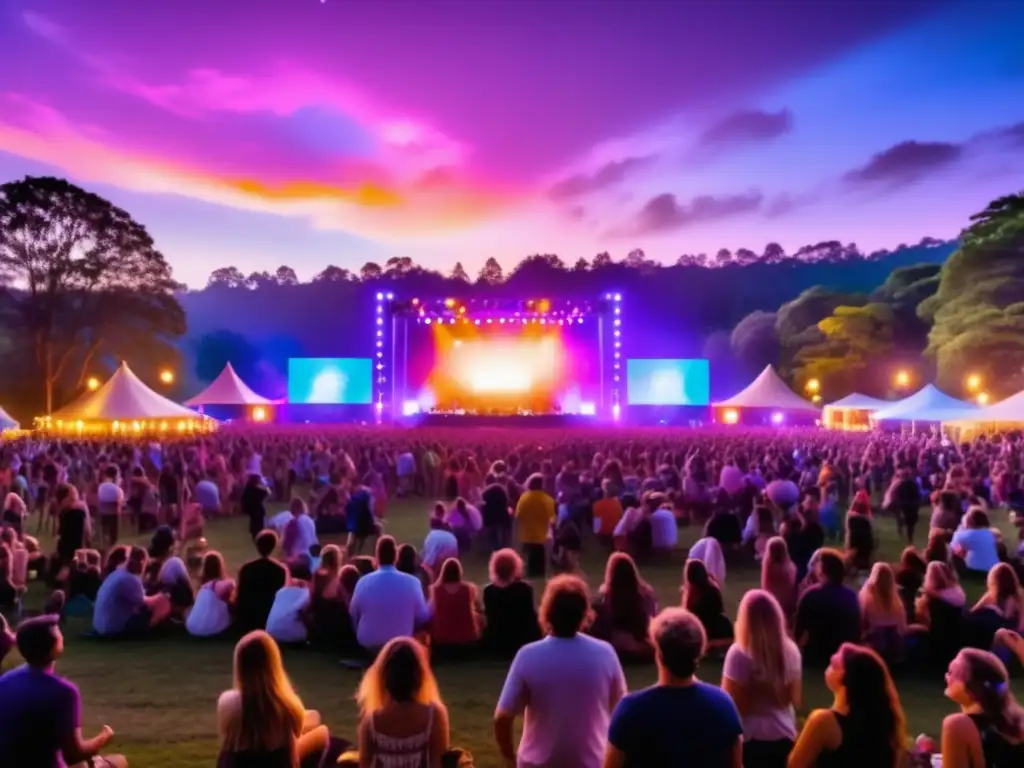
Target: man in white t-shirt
{"points": [[110, 499], [565, 686], [286, 623], [299, 532]]}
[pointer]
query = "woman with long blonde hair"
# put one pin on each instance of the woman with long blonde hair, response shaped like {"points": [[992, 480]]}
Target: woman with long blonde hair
{"points": [[762, 675], [403, 720], [778, 575], [261, 720], [883, 617]]}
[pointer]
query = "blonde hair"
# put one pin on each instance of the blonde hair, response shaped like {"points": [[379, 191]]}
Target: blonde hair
{"points": [[400, 673], [270, 712], [761, 634], [879, 592], [939, 576]]}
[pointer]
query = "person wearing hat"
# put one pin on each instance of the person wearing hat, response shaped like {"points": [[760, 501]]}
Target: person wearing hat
{"points": [[42, 712]]}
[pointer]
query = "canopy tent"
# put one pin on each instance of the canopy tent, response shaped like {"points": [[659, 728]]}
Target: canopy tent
{"points": [[768, 391], [123, 398], [927, 404], [7, 422], [228, 389], [852, 412], [1008, 411]]}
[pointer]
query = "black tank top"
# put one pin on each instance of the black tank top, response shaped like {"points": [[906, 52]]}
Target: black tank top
{"points": [[852, 752], [998, 751]]}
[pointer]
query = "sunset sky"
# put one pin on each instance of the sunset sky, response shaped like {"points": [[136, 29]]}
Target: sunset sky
{"points": [[264, 132]]}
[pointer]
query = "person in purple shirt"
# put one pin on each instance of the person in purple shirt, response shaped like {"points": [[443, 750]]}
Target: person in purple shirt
{"points": [[41, 725]]}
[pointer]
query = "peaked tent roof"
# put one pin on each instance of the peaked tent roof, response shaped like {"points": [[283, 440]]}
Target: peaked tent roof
{"points": [[768, 390], [1008, 411], [227, 389], [859, 402], [7, 422], [927, 404], [123, 396]]}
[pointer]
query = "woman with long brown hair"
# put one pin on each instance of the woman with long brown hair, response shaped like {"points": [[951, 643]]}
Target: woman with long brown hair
{"points": [[454, 606], [778, 575], [624, 608], [402, 718], [864, 726], [762, 675], [261, 720], [989, 729], [703, 598]]}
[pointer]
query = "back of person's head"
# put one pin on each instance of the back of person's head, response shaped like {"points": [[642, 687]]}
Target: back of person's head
{"points": [[831, 566], [565, 606], [761, 634], [535, 482], [162, 542], [39, 640], [400, 674], [117, 557], [364, 564], [505, 567], [387, 550], [976, 518], [213, 568], [877, 724], [621, 576], [65, 494], [1003, 584], [911, 560], [272, 714], [980, 679], [407, 560], [881, 589], [266, 542], [695, 574], [451, 572], [298, 569], [297, 506], [110, 473], [137, 559], [679, 641], [330, 556], [349, 577]]}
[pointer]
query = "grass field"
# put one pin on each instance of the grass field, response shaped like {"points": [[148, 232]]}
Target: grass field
{"points": [[160, 696]]}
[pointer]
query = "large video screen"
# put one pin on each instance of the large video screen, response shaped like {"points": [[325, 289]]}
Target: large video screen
{"points": [[668, 382], [330, 380]]}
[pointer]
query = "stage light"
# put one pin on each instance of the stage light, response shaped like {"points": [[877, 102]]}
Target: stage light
{"points": [[462, 310], [415, 302], [983, 398], [380, 297], [449, 303], [476, 322], [259, 414], [616, 411], [544, 306], [380, 379], [380, 321], [608, 296], [410, 408], [452, 321], [731, 417], [618, 297], [427, 321], [391, 296], [588, 409], [167, 377], [380, 309], [489, 321], [777, 418], [973, 382], [92, 384], [543, 321], [502, 321]]}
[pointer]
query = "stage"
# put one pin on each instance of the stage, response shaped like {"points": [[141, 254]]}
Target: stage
{"points": [[510, 421]]}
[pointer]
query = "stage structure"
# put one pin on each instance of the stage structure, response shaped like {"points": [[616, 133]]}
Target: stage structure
{"points": [[495, 357]]}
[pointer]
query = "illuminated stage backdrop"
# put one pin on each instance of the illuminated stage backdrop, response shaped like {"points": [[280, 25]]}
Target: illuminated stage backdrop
{"points": [[330, 380], [668, 382], [497, 356]]}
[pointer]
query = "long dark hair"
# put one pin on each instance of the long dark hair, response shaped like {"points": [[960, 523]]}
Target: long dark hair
{"points": [[877, 727], [626, 595]]}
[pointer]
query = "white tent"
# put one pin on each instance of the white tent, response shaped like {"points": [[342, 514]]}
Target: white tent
{"points": [[1008, 411], [768, 391], [859, 402], [227, 389], [122, 398], [927, 404], [852, 412], [7, 422]]}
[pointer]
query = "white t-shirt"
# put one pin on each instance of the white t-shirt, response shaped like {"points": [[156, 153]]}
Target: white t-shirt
{"points": [[306, 537], [768, 723], [109, 493], [438, 547], [567, 688], [279, 521], [629, 520], [664, 529], [210, 615], [283, 623]]}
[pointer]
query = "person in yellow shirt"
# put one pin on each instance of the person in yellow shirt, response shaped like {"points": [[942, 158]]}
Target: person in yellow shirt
{"points": [[535, 513]]}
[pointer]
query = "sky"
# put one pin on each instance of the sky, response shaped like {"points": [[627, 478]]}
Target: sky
{"points": [[257, 133]]}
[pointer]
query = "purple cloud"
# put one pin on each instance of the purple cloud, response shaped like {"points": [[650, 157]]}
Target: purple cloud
{"points": [[664, 212], [606, 176], [906, 162], [747, 126]]}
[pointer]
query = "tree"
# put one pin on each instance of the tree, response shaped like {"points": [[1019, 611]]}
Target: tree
{"points": [[491, 273], [723, 256], [82, 279], [745, 256], [333, 274], [636, 259], [370, 271], [977, 313], [796, 322], [602, 260], [398, 266], [903, 291], [286, 276], [216, 349], [852, 340], [228, 277], [459, 273], [754, 343], [773, 253], [261, 279], [581, 265]]}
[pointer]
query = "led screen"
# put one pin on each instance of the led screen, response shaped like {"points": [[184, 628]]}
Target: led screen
{"points": [[330, 380], [668, 382]]}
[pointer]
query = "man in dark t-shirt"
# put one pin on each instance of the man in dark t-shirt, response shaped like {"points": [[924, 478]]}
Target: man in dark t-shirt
{"points": [[258, 582], [828, 613], [679, 721], [496, 518]]}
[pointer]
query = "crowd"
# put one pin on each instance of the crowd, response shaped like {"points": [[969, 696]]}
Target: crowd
{"points": [[765, 500]]}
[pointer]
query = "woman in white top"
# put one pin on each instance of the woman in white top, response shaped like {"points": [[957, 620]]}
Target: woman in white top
{"points": [[762, 675], [403, 721], [211, 614]]}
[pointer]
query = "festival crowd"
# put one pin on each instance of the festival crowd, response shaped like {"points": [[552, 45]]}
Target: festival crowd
{"points": [[801, 507]]}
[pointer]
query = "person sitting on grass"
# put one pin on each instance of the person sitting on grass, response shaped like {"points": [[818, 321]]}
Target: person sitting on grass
{"points": [[41, 722], [85, 578], [565, 685], [440, 543], [702, 597], [261, 720], [288, 621], [510, 614], [975, 545], [624, 607], [455, 629], [258, 582], [883, 616], [211, 614], [680, 720], [122, 607], [403, 721], [828, 614]]}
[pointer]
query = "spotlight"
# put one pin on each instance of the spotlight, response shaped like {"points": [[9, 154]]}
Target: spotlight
{"points": [[777, 418], [731, 417], [380, 297]]}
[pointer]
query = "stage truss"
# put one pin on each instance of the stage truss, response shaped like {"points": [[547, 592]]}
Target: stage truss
{"points": [[394, 317]]}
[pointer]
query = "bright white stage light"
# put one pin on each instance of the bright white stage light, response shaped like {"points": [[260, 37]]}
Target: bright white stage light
{"points": [[588, 409], [410, 408]]}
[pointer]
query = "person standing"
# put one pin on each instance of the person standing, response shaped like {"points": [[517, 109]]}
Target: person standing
{"points": [[535, 513], [496, 517], [110, 499], [565, 686], [253, 503]]}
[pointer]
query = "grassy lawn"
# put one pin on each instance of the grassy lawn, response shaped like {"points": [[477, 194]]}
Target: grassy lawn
{"points": [[160, 696]]}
